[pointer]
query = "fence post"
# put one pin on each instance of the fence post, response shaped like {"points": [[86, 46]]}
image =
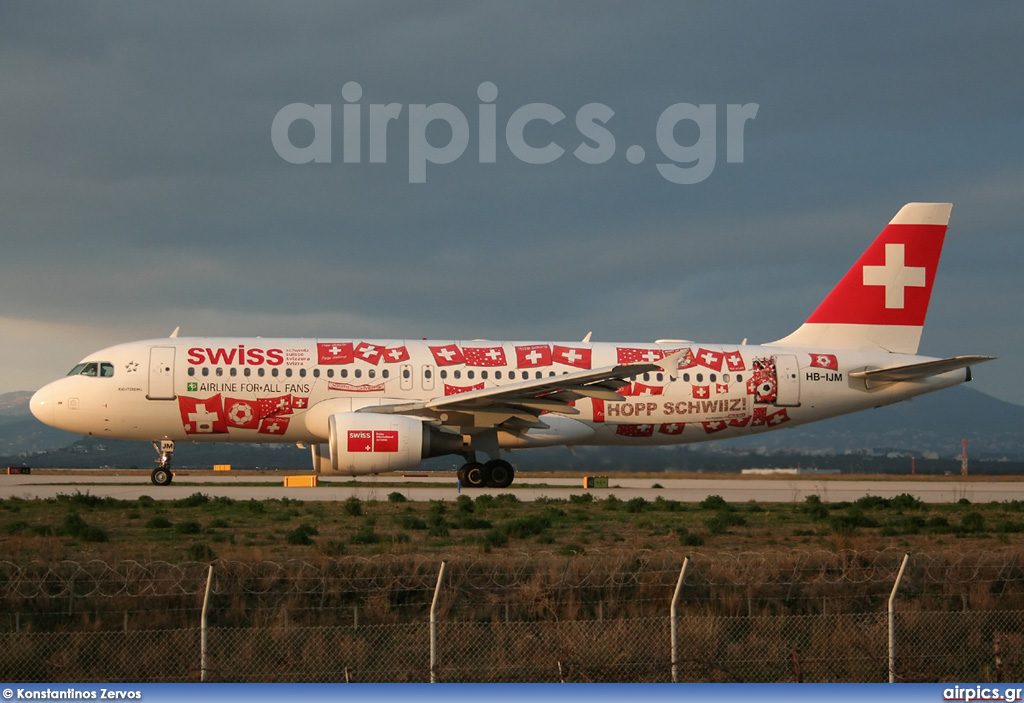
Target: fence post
{"points": [[674, 627], [892, 620], [433, 624], [202, 626]]}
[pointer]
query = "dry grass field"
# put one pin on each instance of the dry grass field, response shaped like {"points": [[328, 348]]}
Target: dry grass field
{"points": [[79, 526]]}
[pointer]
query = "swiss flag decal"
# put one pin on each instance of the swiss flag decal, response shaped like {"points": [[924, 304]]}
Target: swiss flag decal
{"points": [[484, 356], [202, 415], [447, 355], [393, 355], [572, 356], [334, 353], [533, 355], [891, 283]]}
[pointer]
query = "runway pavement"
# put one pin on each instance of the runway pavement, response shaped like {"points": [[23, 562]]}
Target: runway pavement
{"points": [[443, 486]]}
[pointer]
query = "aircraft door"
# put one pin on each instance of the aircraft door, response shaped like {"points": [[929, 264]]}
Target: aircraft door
{"points": [[161, 373], [405, 376], [787, 371]]}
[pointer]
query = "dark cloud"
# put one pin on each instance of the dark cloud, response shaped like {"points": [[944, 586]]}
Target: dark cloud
{"points": [[142, 190]]}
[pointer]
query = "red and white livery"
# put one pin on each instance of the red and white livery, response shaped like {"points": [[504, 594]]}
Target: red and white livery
{"points": [[368, 406]]}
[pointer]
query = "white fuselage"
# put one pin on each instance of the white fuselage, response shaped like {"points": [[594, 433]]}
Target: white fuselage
{"points": [[282, 390]]}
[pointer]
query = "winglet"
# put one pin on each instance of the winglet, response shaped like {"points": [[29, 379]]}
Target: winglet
{"points": [[174, 334]]}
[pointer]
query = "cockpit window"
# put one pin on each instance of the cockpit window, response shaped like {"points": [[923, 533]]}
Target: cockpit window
{"points": [[92, 368]]}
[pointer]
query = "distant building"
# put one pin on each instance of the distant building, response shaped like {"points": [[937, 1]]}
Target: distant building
{"points": [[795, 472]]}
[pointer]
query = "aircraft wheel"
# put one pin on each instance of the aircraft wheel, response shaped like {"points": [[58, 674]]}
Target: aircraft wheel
{"points": [[498, 474], [161, 476], [474, 474]]}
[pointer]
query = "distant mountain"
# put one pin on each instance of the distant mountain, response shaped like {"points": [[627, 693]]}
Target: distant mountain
{"points": [[930, 426], [21, 433], [934, 423]]}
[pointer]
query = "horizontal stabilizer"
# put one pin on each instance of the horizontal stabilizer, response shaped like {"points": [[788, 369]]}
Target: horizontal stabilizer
{"points": [[914, 372]]}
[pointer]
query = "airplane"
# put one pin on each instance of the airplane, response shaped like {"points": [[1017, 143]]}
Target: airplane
{"points": [[369, 406]]}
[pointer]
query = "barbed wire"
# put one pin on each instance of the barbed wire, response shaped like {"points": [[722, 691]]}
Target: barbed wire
{"points": [[644, 573]]}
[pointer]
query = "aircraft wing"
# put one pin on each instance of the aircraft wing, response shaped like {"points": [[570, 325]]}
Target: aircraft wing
{"points": [[519, 405], [913, 372]]}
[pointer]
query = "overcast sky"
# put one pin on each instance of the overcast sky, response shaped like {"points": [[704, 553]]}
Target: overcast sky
{"points": [[142, 189]]}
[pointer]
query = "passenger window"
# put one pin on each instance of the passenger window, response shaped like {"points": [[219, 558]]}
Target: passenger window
{"points": [[739, 378], [259, 372], [206, 371], [700, 378], [288, 373], [371, 373], [330, 373], [384, 373], [405, 373], [233, 372], [247, 373], [497, 375], [219, 371], [191, 370], [470, 375], [686, 378], [713, 378], [358, 373], [316, 373]]}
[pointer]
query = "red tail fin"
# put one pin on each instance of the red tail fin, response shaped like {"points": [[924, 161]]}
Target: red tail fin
{"points": [[881, 303]]}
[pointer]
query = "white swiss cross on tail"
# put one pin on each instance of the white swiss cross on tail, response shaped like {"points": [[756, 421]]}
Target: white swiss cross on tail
{"points": [[895, 275], [882, 301]]}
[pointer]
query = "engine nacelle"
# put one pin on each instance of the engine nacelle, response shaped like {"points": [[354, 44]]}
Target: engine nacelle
{"points": [[373, 443]]}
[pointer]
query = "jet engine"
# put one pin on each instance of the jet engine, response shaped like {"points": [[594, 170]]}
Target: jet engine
{"points": [[371, 443]]}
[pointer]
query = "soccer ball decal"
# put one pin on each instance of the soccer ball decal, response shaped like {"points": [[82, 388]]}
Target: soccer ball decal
{"points": [[240, 414]]}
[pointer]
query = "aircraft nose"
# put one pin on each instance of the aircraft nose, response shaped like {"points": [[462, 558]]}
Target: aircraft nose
{"points": [[43, 405]]}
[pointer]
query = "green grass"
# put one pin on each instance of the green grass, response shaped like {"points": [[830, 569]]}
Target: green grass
{"points": [[80, 526]]}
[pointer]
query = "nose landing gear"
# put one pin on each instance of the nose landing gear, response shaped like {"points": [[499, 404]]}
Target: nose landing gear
{"points": [[162, 475]]}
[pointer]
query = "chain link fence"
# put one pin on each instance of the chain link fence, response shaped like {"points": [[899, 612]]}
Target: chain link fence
{"points": [[814, 616]]}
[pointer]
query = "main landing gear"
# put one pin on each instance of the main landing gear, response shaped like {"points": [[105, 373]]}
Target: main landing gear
{"points": [[162, 474], [496, 473]]}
